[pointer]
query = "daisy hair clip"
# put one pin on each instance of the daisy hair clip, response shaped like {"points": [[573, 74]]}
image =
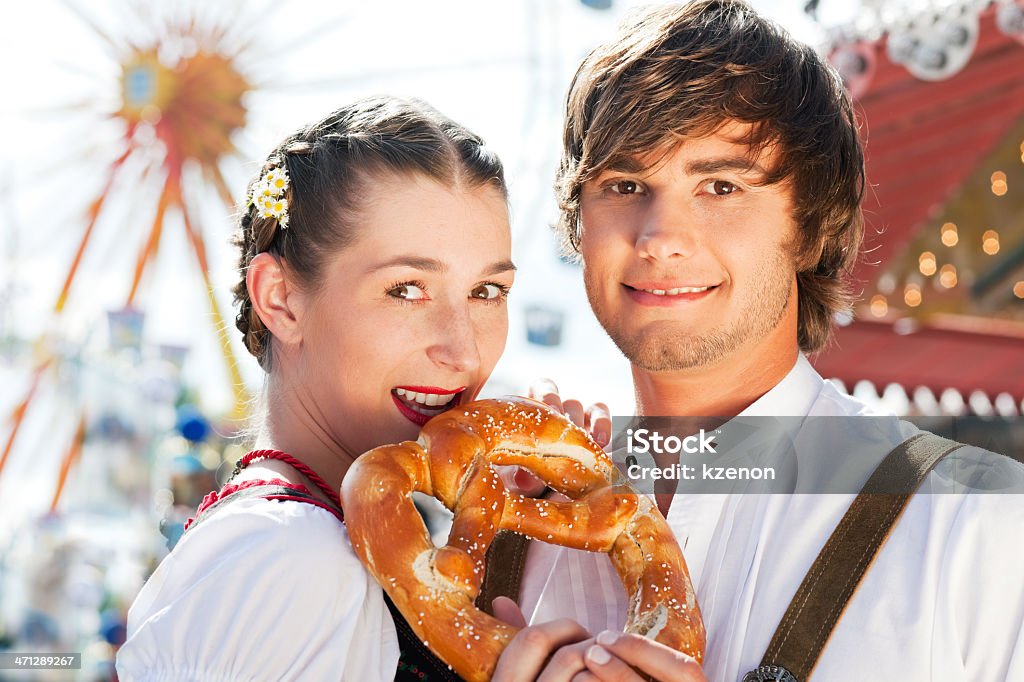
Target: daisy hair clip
{"points": [[267, 196]]}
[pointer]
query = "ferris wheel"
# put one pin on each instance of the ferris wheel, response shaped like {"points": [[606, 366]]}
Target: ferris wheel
{"points": [[171, 99]]}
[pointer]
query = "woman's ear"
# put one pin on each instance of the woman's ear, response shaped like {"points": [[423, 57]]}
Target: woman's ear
{"points": [[270, 293]]}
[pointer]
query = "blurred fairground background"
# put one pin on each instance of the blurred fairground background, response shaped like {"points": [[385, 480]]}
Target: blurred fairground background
{"points": [[132, 126]]}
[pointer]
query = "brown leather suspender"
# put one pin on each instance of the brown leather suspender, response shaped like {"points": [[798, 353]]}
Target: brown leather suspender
{"points": [[506, 559], [846, 557]]}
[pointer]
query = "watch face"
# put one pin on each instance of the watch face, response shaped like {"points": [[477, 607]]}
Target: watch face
{"points": [[770, 673]]}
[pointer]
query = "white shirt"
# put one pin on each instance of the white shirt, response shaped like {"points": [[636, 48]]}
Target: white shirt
{"points": [[261, 590], [943, 600]]}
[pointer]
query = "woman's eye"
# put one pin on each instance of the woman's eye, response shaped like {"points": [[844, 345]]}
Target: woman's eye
{"points": [[488, 291], [627, 187], [407, 292], [720, 187]]}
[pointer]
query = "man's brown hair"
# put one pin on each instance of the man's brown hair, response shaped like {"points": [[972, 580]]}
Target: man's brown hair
{"points": [[677, 71]]}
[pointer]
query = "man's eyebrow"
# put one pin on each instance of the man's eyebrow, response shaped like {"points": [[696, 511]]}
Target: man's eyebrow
{"points": [[632, 165], [728, 163], [436, 266], [627, 164]]}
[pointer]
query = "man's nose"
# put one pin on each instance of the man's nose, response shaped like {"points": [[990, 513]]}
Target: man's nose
{"points": [[668, 232]]}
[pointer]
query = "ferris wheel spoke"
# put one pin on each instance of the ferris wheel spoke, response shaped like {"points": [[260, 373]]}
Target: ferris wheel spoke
{"points": [[238, 388], [70, 457], [222, 189], [233, 33], [74, 107], [276, 83], [94, 213], [305, 39], [111, 44], [79, 71], [152, 243], [18, 414]]}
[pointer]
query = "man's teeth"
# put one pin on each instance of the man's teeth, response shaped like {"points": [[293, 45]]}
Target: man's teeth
{"points": [[677, 291], [428, 399]]}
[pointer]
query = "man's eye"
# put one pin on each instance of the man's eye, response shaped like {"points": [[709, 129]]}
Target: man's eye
{"points": [[489, 291], [720, 187], [407, 292], [627, 187]]}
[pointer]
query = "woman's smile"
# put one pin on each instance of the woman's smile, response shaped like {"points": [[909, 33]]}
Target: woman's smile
{"points": [[419, 404]]}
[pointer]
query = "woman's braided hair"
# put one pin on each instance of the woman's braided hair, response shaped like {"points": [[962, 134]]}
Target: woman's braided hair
{"points": [[328, 163]]}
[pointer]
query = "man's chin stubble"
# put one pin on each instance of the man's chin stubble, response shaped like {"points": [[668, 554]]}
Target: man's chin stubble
{"points": [[678, 353]]}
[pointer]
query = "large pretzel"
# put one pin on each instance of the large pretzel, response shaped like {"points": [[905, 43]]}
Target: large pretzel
{"points": [[434, 588]]}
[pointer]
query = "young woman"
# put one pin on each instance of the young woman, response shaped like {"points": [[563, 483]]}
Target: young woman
{"points": [[375, 262]]}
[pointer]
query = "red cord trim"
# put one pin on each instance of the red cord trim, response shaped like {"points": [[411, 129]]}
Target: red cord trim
{"points": [[323, 505], [327, 490], [215, 496]]}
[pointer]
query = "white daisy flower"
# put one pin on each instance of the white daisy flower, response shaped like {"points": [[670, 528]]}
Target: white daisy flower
{"points": [[265, 205], [276, 180], [259, 191], [267, 196], [279, 207]]}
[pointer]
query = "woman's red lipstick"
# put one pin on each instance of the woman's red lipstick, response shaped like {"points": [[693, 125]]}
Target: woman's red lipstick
{"points": [[414, 415]]}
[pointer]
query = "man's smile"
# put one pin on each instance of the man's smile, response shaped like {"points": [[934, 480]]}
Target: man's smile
{"points": [[667, 294]]}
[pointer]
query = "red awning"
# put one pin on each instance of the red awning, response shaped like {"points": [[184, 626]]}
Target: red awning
{"points": [[932, 357], [923, 141]]}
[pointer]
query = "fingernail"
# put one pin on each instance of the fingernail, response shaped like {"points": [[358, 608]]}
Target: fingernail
{"points": [[601, 435], [598, 655], [608, 638]]}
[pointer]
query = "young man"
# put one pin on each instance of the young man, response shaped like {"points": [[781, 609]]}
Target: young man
{"points": [[711, 182]]}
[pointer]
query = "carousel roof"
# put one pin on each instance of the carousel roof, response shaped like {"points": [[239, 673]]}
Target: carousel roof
{"points": [[943, 273]]}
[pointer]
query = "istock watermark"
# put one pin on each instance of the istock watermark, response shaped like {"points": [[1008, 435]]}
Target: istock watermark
{"points": [[643, 441], [811, 454]]}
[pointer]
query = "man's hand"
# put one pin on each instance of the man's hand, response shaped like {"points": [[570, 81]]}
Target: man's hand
{"points": [[551, 652], [610, 657], [595, 419]]}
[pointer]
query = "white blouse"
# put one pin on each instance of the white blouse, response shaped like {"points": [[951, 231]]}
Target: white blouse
{"points": [[261, 590]]}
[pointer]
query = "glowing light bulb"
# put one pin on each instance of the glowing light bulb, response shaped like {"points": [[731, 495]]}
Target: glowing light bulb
{"points": [[926, 263], [947, 276], [949, 234], [879, 306], [912, 295], [990, 242], [999, 185]]}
